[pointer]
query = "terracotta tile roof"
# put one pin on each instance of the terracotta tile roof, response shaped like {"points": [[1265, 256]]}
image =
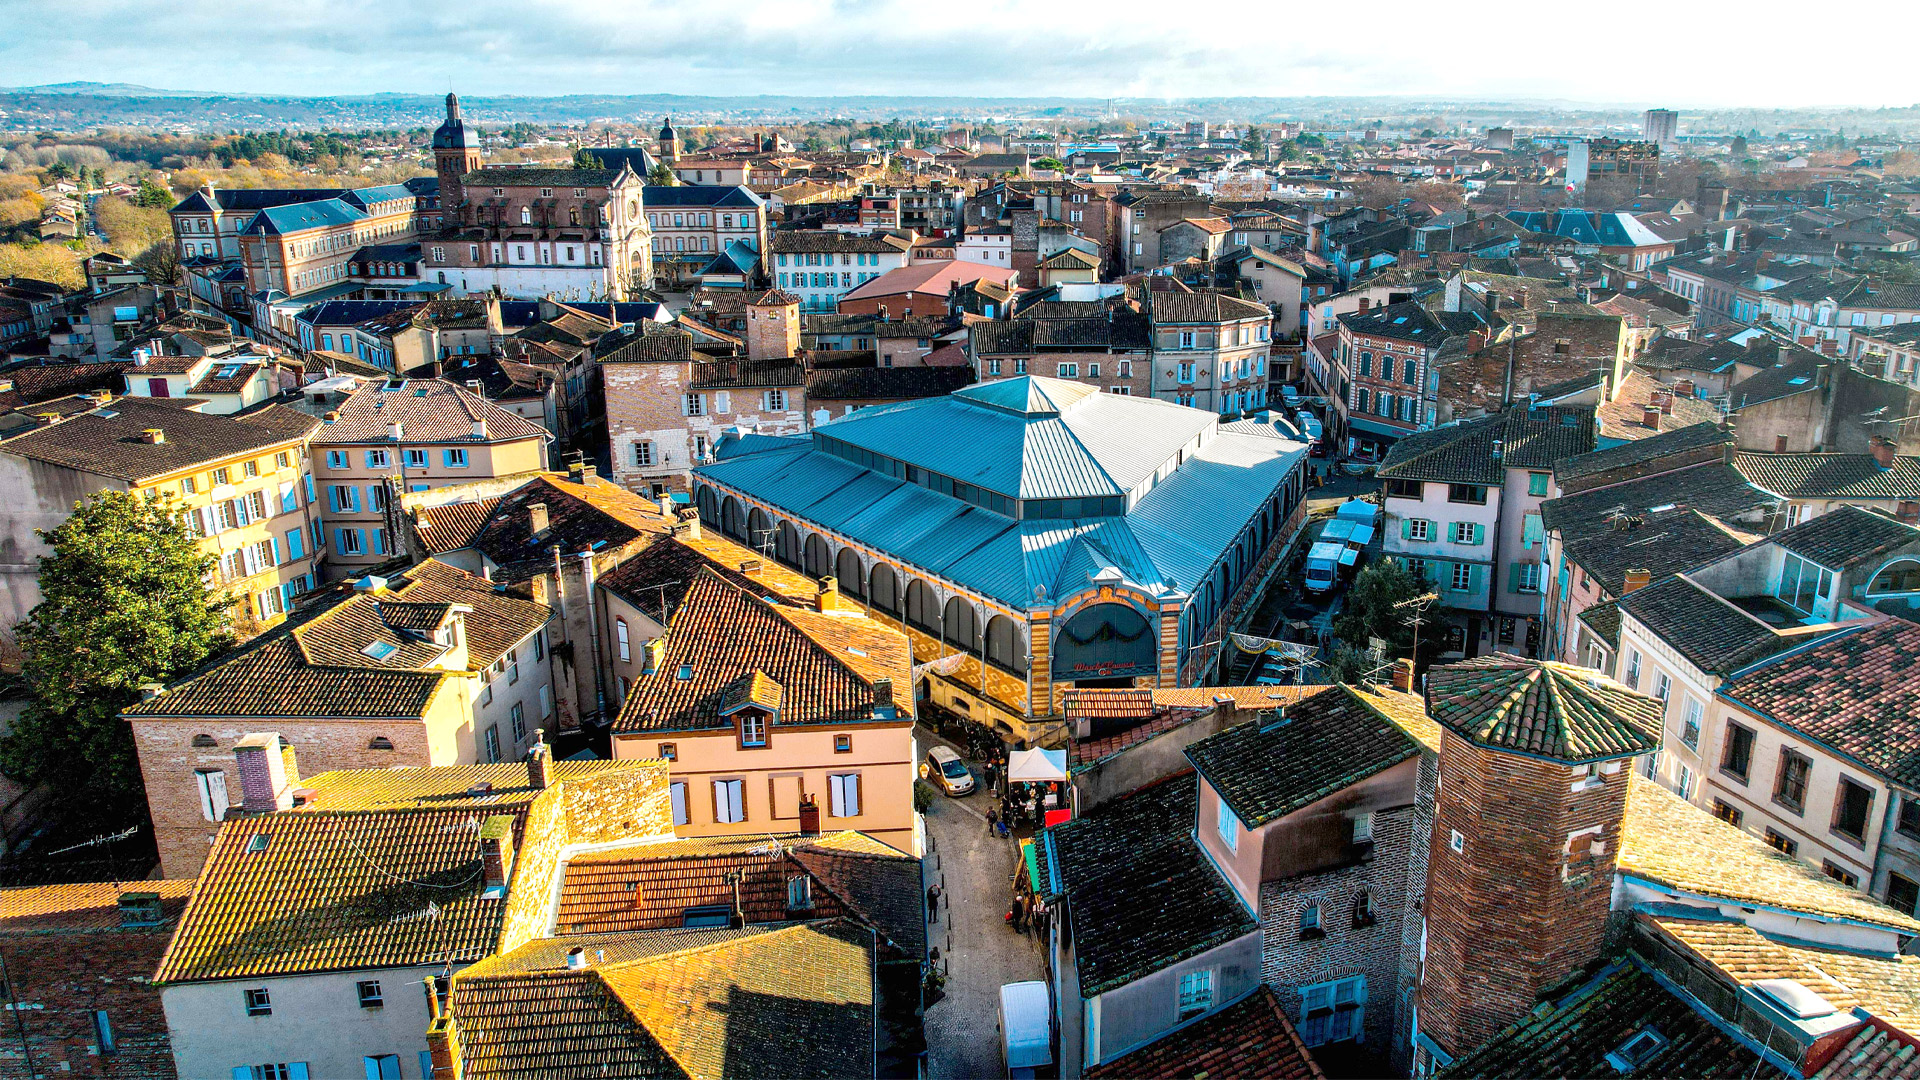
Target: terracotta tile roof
{"points": [[650, 886], [1205, 306], [661, 573], [1671, 842], [1268, 768], [1846, 536], [1877, 1051], [796, 1001], [428, 410], [1250, 1038], [1143, 895], [827, 663], [381, 869], [1667, 543], [317, 665], [1714, 489], [1830, 476], [1888, 986], [597, 515], [1624, 416], [1464, 453], [44, 382], [45, 909], [1711, 633], [1604, 620], [1643, 451], [452, 526], [1542, 708], [1857, 692], [108, 440], [1574, 1035]]}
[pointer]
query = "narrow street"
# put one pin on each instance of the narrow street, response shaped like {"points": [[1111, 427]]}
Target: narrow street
{"points": [[978, 951]]}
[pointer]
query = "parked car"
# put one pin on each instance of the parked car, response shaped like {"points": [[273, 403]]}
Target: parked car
{"points": [[1026, 1028], [945, 769], [1289, 396]]}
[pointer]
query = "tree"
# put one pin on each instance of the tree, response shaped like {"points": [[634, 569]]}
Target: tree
{"points": [[1255, 143], [1371, 610], [584, 158], [1053, 164], [661, 175], [1344, 664], [153, 195], [59, 170], [124, 601]]}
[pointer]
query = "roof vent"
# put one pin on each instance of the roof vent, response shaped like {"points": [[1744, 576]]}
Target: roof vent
{"points": [[1795, 998], [576, 959], [371, 583], [153, 435]]}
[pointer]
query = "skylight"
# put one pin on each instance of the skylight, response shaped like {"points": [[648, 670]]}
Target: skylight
{"points": [[1797, 380], [1637, 1051], [257, 842], [685, 672], [380, 650], [228, 371]]}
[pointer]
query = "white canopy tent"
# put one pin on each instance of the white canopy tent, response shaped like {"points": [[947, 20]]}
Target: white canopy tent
{"points": [[1037, 765]]}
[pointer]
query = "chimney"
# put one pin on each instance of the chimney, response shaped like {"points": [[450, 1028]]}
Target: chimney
{"points": [[539, 762], [1683, 387], [263, 774], [1403, 676], [331, 416], [1226, 710], [750, 567], [667, 508], [577, 958], [809, 816], [883, 313], [1635, 579], [479, 430], [140, 357], [151, 690], [1882, 450], [882, 694], [443, 1038], [153, 435], [395, 430], [1477, 340], [496, 851], [1650, 415], [537, 518], [827, 597]]}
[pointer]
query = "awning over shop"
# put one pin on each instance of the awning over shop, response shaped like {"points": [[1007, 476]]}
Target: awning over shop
{"points": [[1036, 765]]}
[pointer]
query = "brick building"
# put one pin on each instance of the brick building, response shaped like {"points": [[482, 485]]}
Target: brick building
{"points": [[1531, 354], [1105, 343], [79, 961], [1389, 353], [1535, 761], [1210, 350]]}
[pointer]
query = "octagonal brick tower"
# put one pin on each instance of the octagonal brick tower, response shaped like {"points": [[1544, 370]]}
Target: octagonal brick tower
{"points": [[1534, 765]]}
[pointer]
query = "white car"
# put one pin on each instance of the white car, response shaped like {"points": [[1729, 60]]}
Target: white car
{"points": [[945, 769]]}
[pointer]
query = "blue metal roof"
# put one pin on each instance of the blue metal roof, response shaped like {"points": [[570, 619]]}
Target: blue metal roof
{"points": [[657, 197], [1166, 544], [278, 220]]}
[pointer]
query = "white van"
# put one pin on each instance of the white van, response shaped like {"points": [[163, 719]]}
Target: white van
{"points": [[1026, 1028]]}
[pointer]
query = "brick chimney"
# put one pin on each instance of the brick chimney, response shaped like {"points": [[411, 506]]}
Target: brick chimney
{"points": [[809, 816], [264, 787], [443, 1037], [1683, 387], [1635, 579], [1403, 675], [496, 851], [539, 762], [882, 694], [1226, 710], [1650, 415], [537, 518], [1882, 450]]}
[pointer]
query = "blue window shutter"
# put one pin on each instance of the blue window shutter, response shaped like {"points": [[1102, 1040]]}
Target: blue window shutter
{"points": [[241, 1072], [1406, 528], [309, 479], [340, 544], [297, 1070], [333, 499], [1479, 534], [426, 1063], [361, 535]]}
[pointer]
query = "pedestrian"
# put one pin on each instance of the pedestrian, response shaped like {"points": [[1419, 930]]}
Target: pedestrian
{"points": [[1020, 914], [933, 903], [993, 820], [1037, 918]]}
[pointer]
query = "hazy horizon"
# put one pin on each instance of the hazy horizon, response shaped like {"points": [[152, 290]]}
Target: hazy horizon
{"points": [[1687, 57]]}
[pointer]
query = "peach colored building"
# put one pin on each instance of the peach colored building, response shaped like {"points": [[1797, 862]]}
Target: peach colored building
{"points": [[775, 717]]}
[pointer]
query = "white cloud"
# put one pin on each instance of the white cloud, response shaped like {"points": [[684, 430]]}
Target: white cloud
{"points": [[1712, 54]]}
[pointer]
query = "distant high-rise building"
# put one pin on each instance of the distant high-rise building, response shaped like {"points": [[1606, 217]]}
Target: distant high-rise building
{"points": [[1500, 138], [1660, 126]]}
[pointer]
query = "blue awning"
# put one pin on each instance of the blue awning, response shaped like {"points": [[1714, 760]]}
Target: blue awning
{"points": [[1356, 423]]}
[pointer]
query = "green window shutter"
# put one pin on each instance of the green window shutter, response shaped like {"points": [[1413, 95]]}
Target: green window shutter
{"points": [[1513, 577], [1406, 528], [1531, 531], [1476, 579], [1479, 534]]}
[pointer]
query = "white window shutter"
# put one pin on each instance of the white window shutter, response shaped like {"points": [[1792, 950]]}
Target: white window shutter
{"points": [[723, 402], [734, 788], [679, 792], [720, 801], [853, 795], [837, 796]]}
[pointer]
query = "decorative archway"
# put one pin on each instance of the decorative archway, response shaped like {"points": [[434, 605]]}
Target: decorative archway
{"points": [[1105, 641], [852, 577], [959, 626], [709, 506], [733, 518], [883, 589], [923, 607], [1898, 576], [786, 545], [1006, 644], [759, 529], [819, 559]]}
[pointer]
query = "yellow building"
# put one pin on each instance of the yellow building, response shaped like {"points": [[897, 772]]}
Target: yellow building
{"points": [[243, 480], [408, 435]]}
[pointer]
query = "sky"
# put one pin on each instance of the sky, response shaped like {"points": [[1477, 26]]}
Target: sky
{"points": [[1717, 53]]}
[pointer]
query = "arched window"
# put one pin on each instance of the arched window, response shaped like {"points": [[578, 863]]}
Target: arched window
{"points": [[819, 558], [852, 577], [733, 518], [204, 741], [786, 545], [923, 607], [958, 626], [526, 216], [1105, 641], [1363, 913], [379, 742], [709, 507], [1902, 575], [1006, 646], [759, 530], [883, 589]]}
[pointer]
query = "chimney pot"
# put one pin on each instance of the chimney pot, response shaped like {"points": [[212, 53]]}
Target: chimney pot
{"points": [[1883, 451], [539, 762], [1650, 415], [809, 816], [496, 850], [263, 774], [1403, 675], [1636, 579], [827, 596], [577, 958]]}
